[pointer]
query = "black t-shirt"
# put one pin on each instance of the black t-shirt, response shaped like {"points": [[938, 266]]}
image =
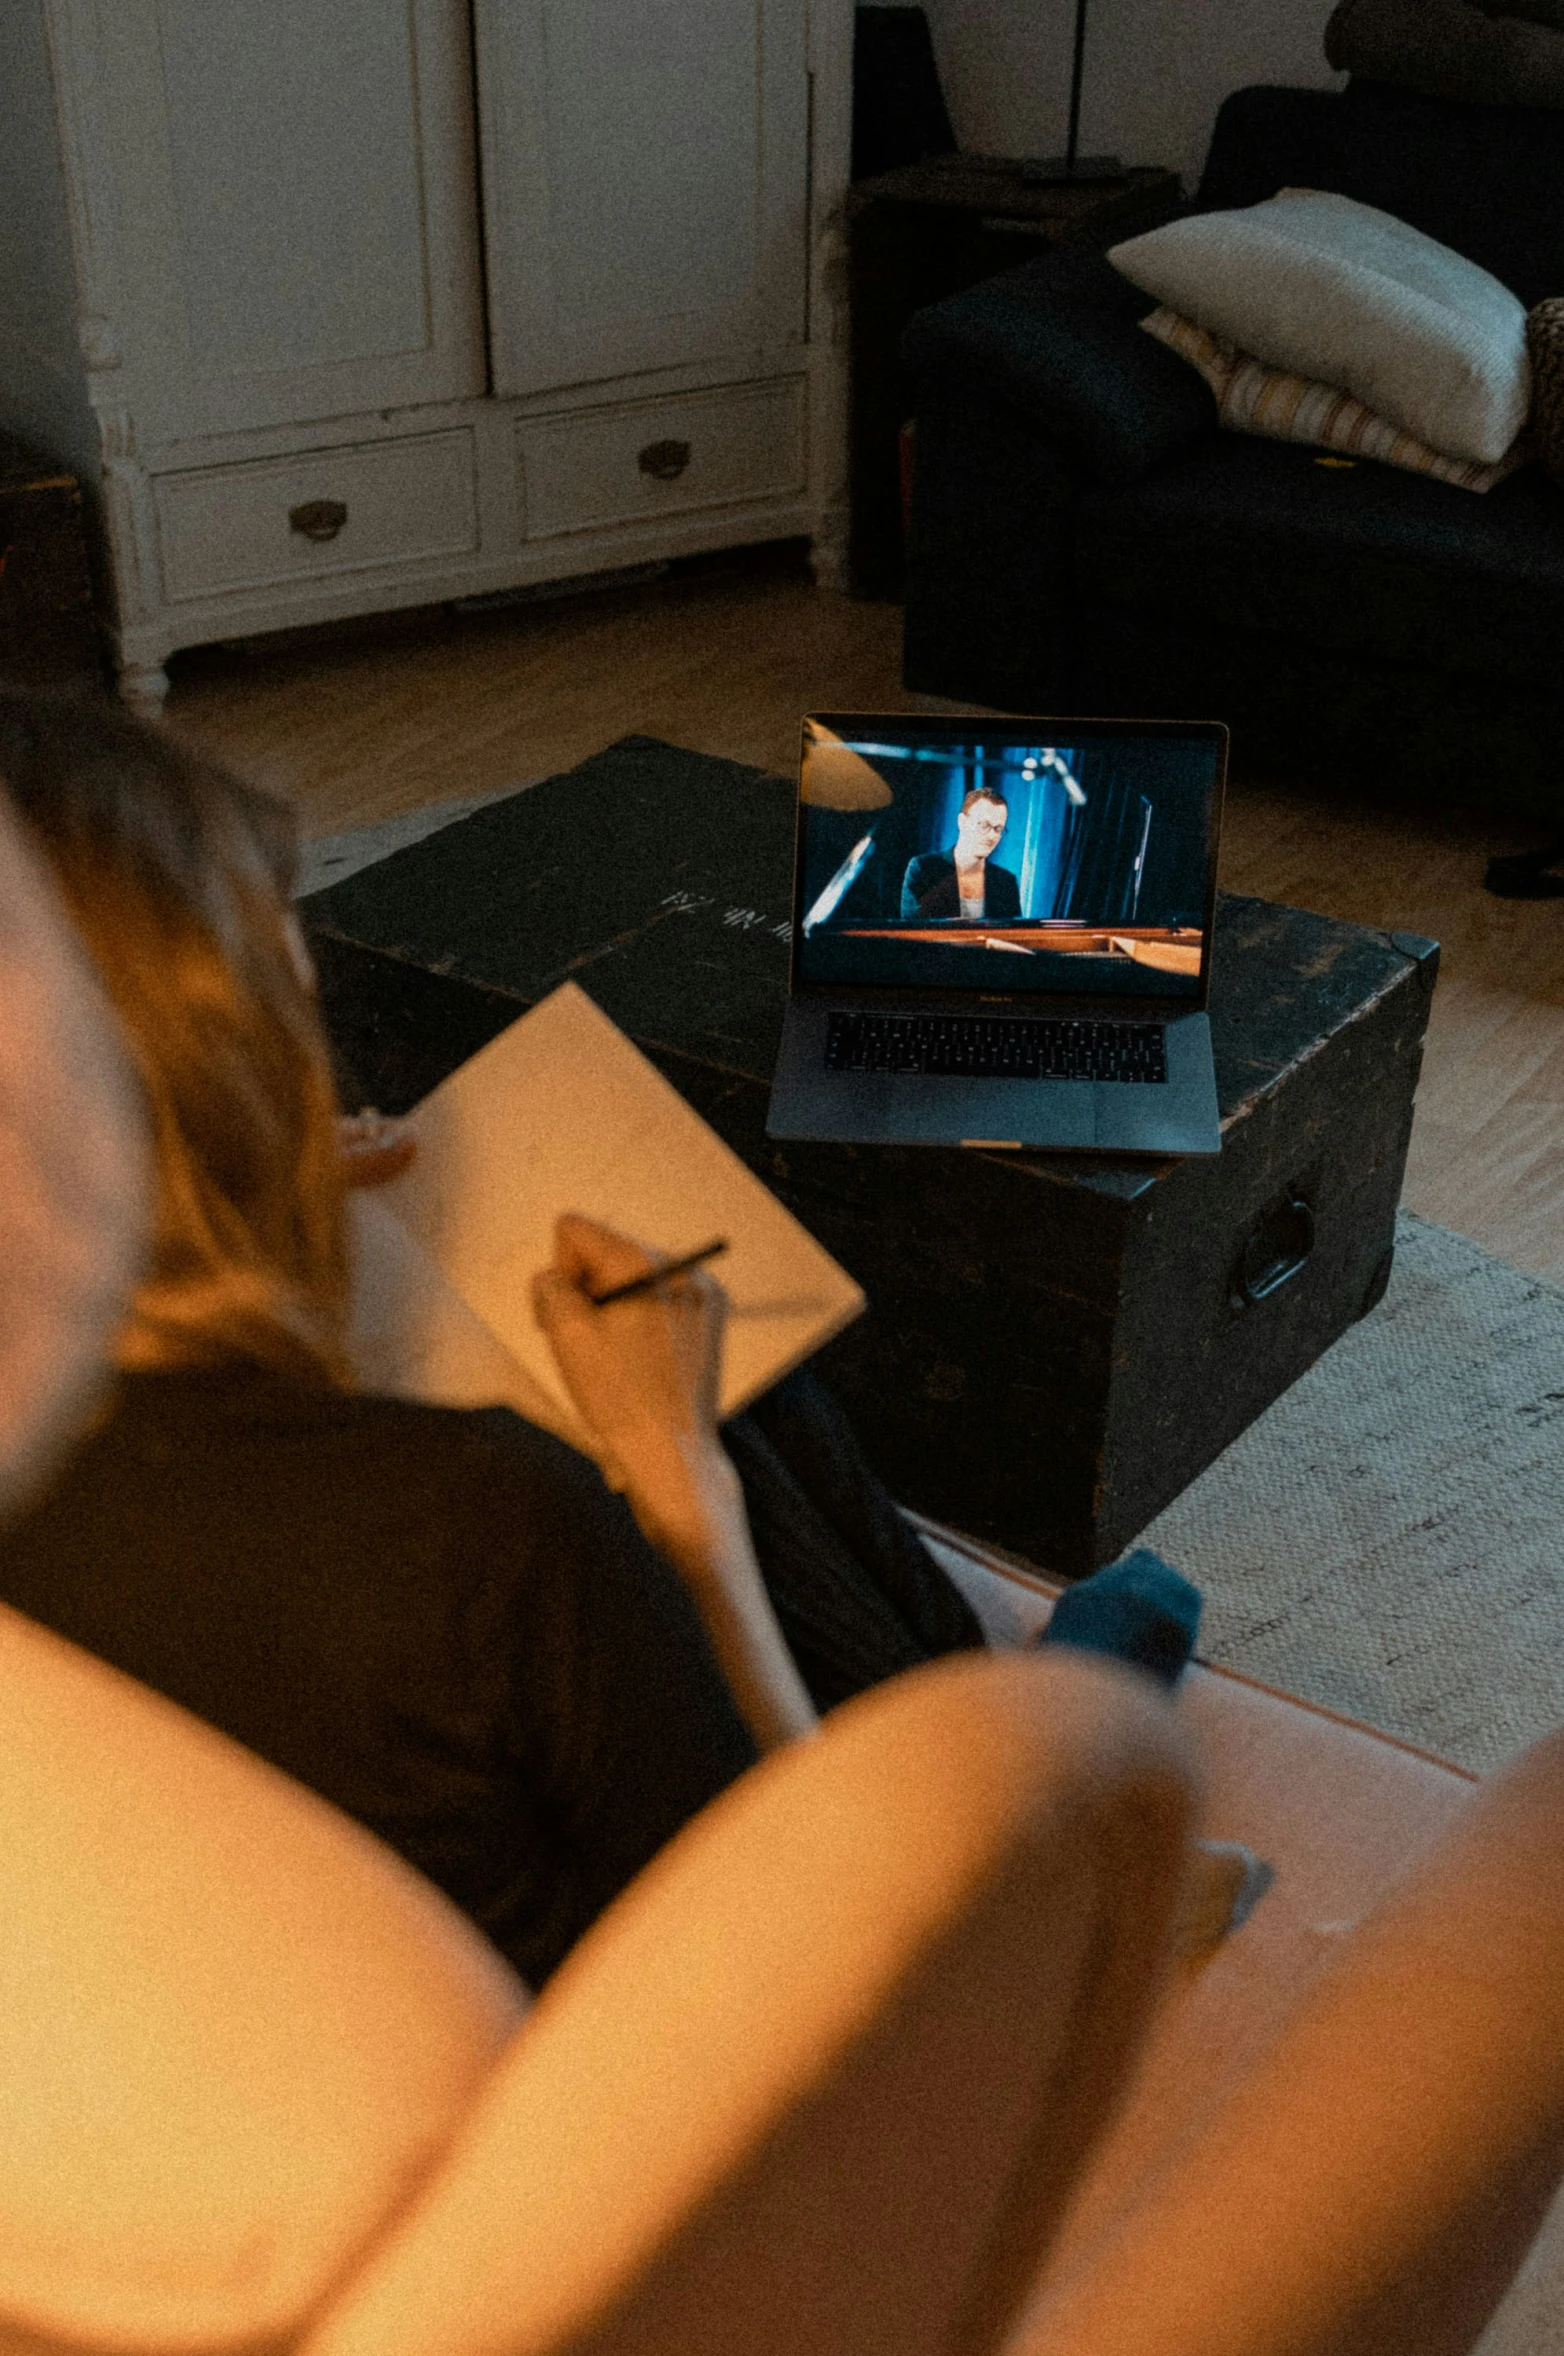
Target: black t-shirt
{"points": [[442, 1620]]}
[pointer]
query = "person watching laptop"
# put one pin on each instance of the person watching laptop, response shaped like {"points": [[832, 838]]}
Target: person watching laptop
{"points": [[1397, 2143], [443, 1620]]}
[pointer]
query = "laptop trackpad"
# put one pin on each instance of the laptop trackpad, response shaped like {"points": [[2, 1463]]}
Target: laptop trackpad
{"points": [[1040, 1113], [878, 1109]]}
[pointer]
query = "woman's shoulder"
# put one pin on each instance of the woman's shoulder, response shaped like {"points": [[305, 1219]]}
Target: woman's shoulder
{"points": [[222, 1415], [291, 1485]]}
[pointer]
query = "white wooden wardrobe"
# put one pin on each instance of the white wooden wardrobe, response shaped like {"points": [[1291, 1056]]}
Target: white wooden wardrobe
{"points": [[352, 304]]}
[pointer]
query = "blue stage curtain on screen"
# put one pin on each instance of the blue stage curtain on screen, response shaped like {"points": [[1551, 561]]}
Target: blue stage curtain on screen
{"points": [[1142, 857]]}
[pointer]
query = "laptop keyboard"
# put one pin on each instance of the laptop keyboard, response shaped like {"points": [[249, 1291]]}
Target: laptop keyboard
{"points": [[995, 1047]]}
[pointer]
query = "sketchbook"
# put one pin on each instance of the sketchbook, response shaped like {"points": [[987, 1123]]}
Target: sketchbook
{"points": [[562, 1113]]}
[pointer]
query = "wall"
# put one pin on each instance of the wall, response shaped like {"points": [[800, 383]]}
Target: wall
{"points": [[1156, 70], [42, 389]]}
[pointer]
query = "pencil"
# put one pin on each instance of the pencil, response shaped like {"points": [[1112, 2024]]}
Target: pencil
{"points": [[644, 1284]]}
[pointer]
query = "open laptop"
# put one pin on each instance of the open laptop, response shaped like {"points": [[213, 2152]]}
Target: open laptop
{"points": [[1002, 934]]}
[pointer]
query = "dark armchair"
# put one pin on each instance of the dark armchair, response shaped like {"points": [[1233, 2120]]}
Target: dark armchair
{"points": [[1083, 538]]}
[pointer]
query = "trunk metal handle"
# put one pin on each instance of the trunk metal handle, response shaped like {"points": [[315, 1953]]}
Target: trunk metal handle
{"points": [[1275, 1250]]}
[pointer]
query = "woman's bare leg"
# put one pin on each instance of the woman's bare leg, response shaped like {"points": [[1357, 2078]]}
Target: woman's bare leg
{"points": [[1376, 2182]]}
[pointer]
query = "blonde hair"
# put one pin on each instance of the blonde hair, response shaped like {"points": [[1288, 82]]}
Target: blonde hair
{"points": [[179, 877]]}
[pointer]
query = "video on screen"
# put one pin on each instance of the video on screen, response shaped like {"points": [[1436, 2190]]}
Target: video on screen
{"points": [[933, 861]]}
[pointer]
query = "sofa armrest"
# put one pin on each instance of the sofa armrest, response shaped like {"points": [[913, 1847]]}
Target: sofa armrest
{"points": [[1059, 342]]}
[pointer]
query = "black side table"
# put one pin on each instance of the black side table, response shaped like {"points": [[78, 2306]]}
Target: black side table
{"points": [[924, 232]]}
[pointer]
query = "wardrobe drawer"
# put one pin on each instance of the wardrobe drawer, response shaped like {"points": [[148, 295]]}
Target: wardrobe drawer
{"points": [[306, 518], [588, 468]]}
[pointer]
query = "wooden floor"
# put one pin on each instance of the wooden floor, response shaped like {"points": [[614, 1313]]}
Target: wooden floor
{"points": [[384, 716]]}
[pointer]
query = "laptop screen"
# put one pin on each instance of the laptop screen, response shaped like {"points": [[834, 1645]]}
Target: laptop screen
{"points": [[1070, 856]]}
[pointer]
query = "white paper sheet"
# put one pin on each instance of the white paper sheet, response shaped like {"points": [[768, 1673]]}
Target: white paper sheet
{"points": [[562, 1113]]}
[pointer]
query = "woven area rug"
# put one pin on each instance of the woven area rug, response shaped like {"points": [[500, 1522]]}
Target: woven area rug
{"points": [[1389, 1538]]}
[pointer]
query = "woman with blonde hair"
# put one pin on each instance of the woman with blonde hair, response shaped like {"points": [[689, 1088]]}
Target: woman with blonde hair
{"points": [[442, 1620]]}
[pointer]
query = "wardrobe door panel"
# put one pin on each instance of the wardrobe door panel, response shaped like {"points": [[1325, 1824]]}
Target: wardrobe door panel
{"points": [[645, 184], [297, 212]]}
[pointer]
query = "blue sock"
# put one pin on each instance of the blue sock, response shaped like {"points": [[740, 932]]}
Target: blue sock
{"points": [[1139, 1609]]}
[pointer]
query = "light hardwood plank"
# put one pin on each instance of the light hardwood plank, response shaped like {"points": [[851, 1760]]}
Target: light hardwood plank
{"points": [[1493, 1054], [392, 714]]}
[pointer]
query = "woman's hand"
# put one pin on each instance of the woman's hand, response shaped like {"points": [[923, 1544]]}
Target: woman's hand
{"points": [[643, 1374], [374, 1150]]}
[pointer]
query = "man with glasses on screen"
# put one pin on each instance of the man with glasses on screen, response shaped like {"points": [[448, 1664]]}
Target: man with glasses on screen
{"points": [[965, 884]]}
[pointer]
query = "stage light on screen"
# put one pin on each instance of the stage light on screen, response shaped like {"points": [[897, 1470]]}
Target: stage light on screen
{"points": [[840, 884], [1072, 786]]}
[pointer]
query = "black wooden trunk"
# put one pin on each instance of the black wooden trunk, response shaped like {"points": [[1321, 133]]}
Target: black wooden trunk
{"points": [[1057, 1344]]}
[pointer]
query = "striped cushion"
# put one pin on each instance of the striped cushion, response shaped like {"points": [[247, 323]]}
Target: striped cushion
{"points": [[1254, 399]]}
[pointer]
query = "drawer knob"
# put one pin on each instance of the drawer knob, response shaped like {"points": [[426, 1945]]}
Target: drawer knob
{"points": [[318, 519], [664, 461]]}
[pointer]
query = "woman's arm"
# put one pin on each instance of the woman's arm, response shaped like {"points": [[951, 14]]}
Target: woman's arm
{"points": [[643, 1375]]}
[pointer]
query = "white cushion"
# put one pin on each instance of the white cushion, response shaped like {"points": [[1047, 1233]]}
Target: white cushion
{"points": [[1347, 295]]}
